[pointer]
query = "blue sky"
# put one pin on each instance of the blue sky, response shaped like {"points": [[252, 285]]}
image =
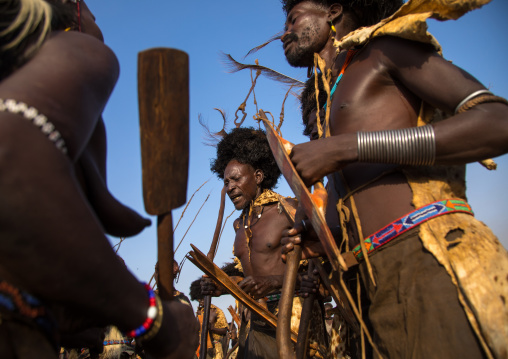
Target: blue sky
{"points": [[204, 29]]}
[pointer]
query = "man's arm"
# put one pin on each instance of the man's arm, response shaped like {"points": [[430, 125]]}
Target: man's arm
{"points": [[475, 135], [51, 243], [419, 74]]}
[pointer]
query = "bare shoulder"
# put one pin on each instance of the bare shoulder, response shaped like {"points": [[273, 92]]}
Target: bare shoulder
{"points": [[68, 61], [396, 55], [72, 49], [422, 70]]}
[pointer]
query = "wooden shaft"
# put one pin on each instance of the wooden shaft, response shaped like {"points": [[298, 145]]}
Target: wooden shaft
{"points": [[283, 332], [165, 255], [228, 340], [303, 331], [218, 226], [211, 255], [204, 326]]}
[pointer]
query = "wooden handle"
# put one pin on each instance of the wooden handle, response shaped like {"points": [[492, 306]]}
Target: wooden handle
{"points": [[307, 308], [283, 332], [165, 255]]}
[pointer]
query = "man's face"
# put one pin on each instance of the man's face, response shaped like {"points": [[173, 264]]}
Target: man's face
{"points": [[241, 182], [306, 33]]}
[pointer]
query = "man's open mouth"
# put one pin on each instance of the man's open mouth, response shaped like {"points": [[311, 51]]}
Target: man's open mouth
{"points": [[234, 197]]}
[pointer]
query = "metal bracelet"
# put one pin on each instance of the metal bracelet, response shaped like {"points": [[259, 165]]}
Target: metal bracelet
{"points": [[414, 146], [471, 96]]}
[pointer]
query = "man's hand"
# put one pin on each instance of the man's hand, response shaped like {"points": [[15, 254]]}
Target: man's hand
{"points": [[309, 284], [208, 287], [315, 159], [260, 286], [311, 246]]}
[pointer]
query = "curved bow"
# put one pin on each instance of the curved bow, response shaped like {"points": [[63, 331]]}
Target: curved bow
{"points": [[313, 205]]}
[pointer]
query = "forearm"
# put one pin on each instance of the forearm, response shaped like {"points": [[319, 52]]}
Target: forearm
{"points": [[53, 246], [478, 134]]}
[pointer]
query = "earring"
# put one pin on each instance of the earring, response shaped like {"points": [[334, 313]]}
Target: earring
{"points": [[332, 26]]}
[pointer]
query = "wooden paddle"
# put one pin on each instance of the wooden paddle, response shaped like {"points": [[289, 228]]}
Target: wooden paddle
{"points": [[163, 94]]}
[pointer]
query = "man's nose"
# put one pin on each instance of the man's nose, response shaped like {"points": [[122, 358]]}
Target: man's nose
{"points": [[229, 187]]}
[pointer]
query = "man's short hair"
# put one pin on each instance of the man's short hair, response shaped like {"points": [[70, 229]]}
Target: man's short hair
{"points": [[367, 12], [248, 146]]}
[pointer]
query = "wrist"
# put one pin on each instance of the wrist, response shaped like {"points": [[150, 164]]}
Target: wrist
{"points": [[153, 321], [344, 148]]}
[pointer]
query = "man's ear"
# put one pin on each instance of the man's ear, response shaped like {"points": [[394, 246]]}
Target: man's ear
{"points": [[260, 176], [335, 11]]}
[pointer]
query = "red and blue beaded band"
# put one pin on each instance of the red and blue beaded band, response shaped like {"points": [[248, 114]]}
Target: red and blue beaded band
{"points": [[153, 320]]}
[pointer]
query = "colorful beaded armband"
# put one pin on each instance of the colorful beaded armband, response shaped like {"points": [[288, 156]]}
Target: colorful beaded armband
{"points": [[117, 342], [153, 320], [38, 119]]}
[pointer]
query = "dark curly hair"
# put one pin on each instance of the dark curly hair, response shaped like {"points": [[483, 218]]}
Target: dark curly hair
{"points": [[248, 146], [195, 290], [308, 100], [367, 12]]}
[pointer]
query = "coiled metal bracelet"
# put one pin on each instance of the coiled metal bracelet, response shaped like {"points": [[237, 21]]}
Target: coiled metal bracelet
{"points": [[414, 146]]}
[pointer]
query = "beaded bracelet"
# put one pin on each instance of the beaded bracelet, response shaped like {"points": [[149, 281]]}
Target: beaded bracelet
{"points": [[153, 320], [38, 119]]}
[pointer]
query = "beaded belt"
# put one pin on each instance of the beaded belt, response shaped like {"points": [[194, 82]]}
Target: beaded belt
{"points": [[411, 220]]}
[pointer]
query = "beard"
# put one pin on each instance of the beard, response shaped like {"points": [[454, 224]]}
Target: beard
{"points": [[302, 48]]}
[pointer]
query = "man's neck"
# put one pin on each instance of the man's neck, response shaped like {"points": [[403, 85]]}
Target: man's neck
{"points": [[329, 51]]}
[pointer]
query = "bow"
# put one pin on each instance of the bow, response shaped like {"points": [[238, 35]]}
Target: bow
{"points": [[219, 276], [313, 205]]}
